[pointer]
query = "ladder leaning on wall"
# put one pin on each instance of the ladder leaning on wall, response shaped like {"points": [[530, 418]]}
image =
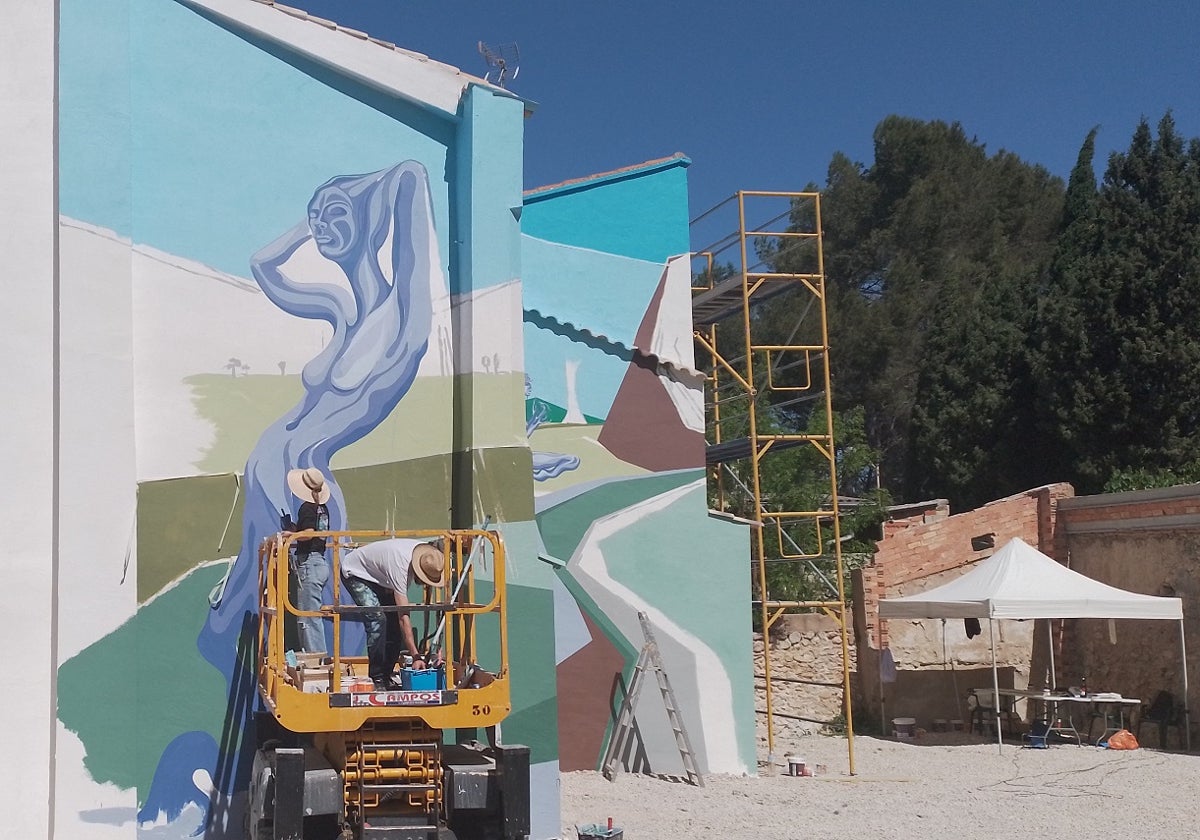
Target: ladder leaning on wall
{"points": [[649, 659]]}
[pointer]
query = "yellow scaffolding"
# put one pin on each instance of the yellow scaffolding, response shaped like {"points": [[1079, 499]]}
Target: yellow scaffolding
{"points": [[751, 378]]}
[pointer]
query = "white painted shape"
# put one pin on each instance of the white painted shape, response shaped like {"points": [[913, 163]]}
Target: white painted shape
{"points": [[571, 633], [98, 479], [191, 319], [574, 413], [407, 75], [672, 337], [187, 826], [27, 254], [672, 342], [494, 316], [86, 808], [545, 815], [714, 705]]}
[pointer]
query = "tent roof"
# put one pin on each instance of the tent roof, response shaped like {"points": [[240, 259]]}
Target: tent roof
{"points": [[1018, 581]]}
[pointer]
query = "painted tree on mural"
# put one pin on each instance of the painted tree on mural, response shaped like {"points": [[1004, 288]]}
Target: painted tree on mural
{"points": [[378, 229]]}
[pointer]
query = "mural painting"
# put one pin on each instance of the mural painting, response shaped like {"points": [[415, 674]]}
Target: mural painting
{"points": [[266, 308], [615, 416]]}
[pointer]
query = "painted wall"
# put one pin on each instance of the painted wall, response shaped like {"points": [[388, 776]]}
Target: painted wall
{"points": [[266, 264], [614, 412], [279, 245]]}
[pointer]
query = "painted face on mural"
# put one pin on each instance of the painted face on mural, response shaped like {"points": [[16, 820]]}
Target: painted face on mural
{"points": [[331, 220]]}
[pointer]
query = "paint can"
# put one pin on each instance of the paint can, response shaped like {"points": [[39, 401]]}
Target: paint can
{"points": [[940, 725], [956, 726], [904, 727], [796, 766]]}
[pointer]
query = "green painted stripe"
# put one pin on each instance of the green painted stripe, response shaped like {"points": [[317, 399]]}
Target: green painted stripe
{"points": [[564, 525]]}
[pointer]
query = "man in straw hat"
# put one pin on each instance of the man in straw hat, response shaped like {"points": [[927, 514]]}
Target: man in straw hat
{"points": [[311, 567], [380, 573]]}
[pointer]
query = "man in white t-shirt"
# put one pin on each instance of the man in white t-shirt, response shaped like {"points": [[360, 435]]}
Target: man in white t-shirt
{"points": [[380, 573]]}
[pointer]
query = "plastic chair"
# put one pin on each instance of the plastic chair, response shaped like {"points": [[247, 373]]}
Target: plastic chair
{"points": [[1163, 711], [983, 714]]}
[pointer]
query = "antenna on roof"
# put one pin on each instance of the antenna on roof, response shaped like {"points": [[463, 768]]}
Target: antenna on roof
{"points": [[501, 59]]}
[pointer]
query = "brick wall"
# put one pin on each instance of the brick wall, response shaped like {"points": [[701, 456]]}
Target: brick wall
{"points": [[912, 552], [937, 661]]}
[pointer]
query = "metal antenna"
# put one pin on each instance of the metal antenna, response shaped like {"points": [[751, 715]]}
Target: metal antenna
{"points": [[501, 59]]}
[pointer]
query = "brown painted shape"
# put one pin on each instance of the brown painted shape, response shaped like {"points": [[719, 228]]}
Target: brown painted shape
{"points": [[585, 680], [643, 426]]}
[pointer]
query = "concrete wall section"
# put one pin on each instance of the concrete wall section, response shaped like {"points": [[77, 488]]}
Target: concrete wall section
{"points": [[28, 268]]}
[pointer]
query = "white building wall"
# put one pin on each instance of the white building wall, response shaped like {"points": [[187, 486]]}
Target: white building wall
{"points": [[27, 454]]}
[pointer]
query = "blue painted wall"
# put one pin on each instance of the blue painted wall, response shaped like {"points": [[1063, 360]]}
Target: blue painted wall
{"points": [[633, 215]]}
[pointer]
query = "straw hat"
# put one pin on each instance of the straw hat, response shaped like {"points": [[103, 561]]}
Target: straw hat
{"points": [[303, 483], [428, 565]]}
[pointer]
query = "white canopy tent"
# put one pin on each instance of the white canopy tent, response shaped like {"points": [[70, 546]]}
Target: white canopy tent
{"points": [[1019, 582]]}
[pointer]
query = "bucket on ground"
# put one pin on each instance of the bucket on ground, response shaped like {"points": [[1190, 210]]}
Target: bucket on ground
{"points": [[904, 727], [796, 766]]}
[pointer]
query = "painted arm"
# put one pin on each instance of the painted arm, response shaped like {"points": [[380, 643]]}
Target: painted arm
{"points": [[304, 300], [394, 334]]}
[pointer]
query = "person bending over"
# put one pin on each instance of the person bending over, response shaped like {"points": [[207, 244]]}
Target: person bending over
{"points": [[379, 574]]}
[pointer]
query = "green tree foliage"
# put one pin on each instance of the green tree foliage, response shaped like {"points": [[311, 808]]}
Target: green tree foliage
{"points": [[1116, 355], [797, 479], [931, 257]]}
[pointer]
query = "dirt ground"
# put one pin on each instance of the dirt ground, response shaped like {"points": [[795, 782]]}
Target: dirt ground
{"points": [[939, 786]]}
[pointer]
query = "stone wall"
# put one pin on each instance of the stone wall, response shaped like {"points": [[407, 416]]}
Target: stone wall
{"points": [[809, 648], [1148, 542]]}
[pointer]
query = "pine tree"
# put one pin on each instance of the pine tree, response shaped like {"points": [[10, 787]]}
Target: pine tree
{"points": [[1117, 356]]}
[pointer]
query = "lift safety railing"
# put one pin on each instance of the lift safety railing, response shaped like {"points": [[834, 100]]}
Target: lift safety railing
{"points": [[455, 603]]}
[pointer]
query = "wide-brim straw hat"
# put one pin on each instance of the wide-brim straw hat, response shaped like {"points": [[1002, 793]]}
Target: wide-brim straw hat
{"points": [[429, 565], [304, 482]]}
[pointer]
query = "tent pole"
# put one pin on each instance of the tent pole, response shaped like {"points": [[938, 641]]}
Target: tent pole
{"points": [[1187, 715], [1050, 636], [995, 686]]}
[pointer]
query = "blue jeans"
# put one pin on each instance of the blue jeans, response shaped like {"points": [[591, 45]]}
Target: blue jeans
{"points": [[384, 640], [312, 573]]}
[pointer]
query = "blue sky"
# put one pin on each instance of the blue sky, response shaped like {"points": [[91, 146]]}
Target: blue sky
{"points": [[760, 95]]}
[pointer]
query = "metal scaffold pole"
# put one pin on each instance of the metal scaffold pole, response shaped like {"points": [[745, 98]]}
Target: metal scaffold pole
{"points": [[772, 377]]}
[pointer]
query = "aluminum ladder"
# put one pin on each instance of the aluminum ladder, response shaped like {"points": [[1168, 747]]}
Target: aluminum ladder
{"points": [[623, 729]]}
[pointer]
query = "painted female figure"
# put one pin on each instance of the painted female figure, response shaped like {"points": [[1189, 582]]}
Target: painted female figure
{"points": [[378, 230]]}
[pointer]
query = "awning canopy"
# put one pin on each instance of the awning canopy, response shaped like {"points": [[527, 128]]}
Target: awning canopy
{"points": [[1018, 581]]}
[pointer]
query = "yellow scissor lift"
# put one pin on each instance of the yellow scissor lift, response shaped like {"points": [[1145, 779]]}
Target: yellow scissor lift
{"points": [[349, 760], [745, 372]]}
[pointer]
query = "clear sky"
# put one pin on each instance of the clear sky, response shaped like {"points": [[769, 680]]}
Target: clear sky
{"points": [[759, 95]]}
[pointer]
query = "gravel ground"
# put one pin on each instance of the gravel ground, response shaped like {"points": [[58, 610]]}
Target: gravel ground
{"points": [[939, 786]]}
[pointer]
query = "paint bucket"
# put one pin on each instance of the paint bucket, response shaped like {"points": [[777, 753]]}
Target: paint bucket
{"points": [[795, 765], [357, 684], [956, 726], [904, 727], [940, 725]]}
